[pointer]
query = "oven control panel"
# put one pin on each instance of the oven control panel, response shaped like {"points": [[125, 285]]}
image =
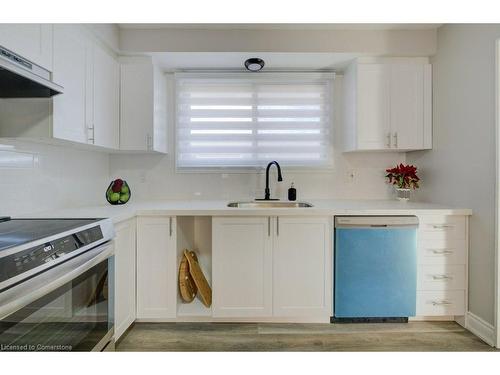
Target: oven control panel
{"points": [[18, 263]]}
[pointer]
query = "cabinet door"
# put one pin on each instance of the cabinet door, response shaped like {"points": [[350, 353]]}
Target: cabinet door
{"points": [[156, 268], [136, 106], [373, 106], [106, 90], [302, 262], [71, 50], [125, 267], [407, 106], [32, 41], [241, 267], [160, 110]]}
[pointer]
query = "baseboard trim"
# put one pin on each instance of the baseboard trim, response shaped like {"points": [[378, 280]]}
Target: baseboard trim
{"points": [[484, 330]]}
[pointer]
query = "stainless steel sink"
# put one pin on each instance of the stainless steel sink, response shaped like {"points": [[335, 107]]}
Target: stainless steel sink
{"points": [[269, 204]]}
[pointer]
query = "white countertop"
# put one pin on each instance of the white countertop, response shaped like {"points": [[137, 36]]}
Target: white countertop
{"points": [[219, 208]]}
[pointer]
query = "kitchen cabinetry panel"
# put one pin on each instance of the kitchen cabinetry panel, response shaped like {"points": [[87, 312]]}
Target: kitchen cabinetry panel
{"points": [[242, 267], [31, 41], [301, 267], [105, 104], [407, 106], [388, 106], [156, 268], [125, 274], [441, 277], [440, 303], [143, 117], [72, 50], [374, 100]]}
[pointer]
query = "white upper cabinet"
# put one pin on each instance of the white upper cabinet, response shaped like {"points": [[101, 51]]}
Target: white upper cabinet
{"points": [[31, 41], [143, 101], [72, 62], [373, 102], [88, 111], [388, 106], [105, 127]]}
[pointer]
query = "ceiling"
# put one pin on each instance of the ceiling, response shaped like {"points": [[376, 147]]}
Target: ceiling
{"points": [[173, 61], [282, 26]]}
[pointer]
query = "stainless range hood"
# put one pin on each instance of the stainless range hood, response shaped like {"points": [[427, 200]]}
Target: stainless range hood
{"points": [[20, 78]]}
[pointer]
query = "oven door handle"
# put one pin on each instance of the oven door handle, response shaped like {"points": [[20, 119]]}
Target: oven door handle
{"points": [[21, 295]]}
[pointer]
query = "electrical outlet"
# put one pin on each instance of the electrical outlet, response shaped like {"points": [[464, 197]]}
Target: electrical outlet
{"points": [[350, 176]]}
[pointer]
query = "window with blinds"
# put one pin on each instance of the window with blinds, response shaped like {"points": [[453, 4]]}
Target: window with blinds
{"points": [[241, 120]]}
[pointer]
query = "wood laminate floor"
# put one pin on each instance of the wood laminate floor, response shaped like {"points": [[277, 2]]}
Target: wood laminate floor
{"points": [[414, 336]]}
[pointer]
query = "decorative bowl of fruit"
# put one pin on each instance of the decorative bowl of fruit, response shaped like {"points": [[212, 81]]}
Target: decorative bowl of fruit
{"points": [[118, 192]]}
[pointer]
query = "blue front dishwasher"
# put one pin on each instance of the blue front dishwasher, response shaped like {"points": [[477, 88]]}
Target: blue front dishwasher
{"points": [[375, 268]]}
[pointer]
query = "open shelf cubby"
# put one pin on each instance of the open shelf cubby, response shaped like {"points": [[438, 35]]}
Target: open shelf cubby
{"points": [[195, 233]]}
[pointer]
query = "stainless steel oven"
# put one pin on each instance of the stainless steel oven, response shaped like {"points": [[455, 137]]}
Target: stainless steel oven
{"points": [[68, 304]]}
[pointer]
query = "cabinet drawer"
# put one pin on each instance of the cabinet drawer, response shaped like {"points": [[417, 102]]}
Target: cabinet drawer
{"points": [[442, 227], [439, 303], [440, 277], [439, 251]]}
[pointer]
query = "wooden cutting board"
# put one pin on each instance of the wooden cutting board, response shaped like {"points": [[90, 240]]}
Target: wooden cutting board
{"points": [[187, 287], [199, 279]]}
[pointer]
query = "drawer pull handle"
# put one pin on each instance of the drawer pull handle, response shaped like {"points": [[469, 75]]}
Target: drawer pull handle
{"points": [[442, 277], [441, 252], [441, 303], [442, 226]]}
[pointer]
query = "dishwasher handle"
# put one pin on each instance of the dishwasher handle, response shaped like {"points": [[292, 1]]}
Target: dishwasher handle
{"points": [[375, 221]]}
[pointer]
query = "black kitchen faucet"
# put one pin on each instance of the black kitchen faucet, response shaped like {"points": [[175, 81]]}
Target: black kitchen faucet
{"points": [[267, 196]]}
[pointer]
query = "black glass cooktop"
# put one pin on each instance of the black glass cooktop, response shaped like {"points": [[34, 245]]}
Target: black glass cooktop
{"points": [[15, 232]]}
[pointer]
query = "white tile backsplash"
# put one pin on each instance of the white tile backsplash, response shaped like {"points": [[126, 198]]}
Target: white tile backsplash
{"points": [[61, 177], [154, 177]]}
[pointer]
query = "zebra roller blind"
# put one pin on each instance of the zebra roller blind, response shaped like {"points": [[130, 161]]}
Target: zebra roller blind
{"points": [[247, 120]]}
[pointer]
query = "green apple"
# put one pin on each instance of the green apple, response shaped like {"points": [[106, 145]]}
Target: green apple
{"points": [[114, 197], [125, 197], [124, 189]]}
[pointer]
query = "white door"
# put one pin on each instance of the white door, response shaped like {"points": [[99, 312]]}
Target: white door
{"points": [[407, 106], [242, 266], [373, 109], [106, 106], [302, 262], [125, 267], [32, 41], [71, 52], [156, 268]]}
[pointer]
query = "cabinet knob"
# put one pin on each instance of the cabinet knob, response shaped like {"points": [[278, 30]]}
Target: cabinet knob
{"points": [[396, 139]]}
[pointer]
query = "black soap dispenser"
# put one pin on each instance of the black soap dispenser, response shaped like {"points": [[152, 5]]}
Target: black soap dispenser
{"points": [[292, 193]]}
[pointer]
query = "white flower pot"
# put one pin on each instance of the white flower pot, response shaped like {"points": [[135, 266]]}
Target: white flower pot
{"points": [[403, 194]]}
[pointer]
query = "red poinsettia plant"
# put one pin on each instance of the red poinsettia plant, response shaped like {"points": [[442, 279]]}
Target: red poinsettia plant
{"points": [[403, 176]]}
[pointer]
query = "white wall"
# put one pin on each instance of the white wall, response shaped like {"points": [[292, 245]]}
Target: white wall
{"points": [[460, 170], [62, 177], [154, 176], [418, 42]]}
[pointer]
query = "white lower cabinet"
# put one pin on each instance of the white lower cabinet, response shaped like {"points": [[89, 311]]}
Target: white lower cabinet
{"points": [[156, 268], [442, 265], [125, 309], [271, 267], [242, 267], [301, 267]]}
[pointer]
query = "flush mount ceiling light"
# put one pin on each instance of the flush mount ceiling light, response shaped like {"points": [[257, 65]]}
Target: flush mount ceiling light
{"points": [[254, 64]]}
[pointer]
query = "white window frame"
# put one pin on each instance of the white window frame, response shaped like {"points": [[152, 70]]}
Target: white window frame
{"points": [[265, 76]]}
